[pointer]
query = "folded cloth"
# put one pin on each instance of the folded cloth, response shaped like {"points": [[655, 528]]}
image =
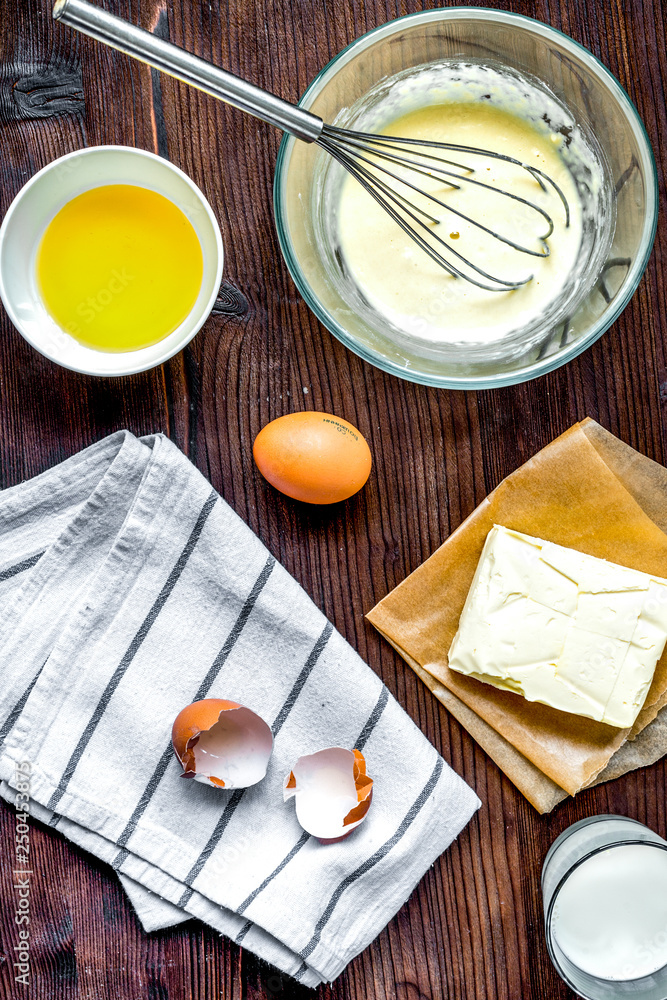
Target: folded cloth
{"points": [[128, 589]]}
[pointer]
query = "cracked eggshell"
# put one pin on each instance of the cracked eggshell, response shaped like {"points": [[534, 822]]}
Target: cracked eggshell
{"points": [[222, 743], [332, 792]]}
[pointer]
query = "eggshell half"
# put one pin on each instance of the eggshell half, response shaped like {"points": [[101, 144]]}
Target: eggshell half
{"points": [[222, 743], [332, 792], [314, 457]]}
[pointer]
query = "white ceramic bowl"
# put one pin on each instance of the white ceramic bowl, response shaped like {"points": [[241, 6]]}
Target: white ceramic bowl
{"points": [[37, 203]]}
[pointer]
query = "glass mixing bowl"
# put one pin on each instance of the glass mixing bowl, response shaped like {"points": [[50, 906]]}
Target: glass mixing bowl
{"points": [[598, 104]]}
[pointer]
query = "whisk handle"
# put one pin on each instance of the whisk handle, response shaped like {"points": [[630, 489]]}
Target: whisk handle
{"points": [[169, 58]]}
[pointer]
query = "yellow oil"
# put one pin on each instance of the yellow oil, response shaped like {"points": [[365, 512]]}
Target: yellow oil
{"points": [[119, 267]]}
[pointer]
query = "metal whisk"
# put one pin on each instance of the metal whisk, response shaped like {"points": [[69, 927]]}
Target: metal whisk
{"points": [[389, 168]]}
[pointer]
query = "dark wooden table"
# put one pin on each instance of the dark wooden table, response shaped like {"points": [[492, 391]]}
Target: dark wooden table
{"points": [[473, 928]]}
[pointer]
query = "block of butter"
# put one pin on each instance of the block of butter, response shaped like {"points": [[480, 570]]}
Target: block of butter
{"points": [[578, 633]]}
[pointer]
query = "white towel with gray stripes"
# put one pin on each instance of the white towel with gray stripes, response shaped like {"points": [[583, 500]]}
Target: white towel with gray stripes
{"points": [[129, 588]]}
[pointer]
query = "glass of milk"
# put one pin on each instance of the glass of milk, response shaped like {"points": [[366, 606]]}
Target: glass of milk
{"points": [[604, 883]]}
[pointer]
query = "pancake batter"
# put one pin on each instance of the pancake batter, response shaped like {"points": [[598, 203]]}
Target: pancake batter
{"points": [[412, 291]]}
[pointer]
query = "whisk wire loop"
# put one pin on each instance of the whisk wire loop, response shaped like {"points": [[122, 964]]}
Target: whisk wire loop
{"points": [[384, 195], [450, 208], [410, 155], [377, 138]]}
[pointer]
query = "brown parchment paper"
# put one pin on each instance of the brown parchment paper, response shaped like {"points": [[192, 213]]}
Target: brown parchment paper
{"points": [[587, 490]]}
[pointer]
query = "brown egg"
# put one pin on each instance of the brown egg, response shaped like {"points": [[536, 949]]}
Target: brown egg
{"points": [[222, 743], [315, 457], [332, 792]]}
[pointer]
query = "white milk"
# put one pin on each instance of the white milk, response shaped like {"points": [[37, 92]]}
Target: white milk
{"points": [[610, 917]]}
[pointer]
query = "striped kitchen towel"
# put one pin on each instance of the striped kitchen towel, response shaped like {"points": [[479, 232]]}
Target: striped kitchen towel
{"points": [[128, 589]]}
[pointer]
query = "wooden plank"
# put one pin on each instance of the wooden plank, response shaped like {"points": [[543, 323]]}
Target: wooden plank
{"points": [[473, 928]]}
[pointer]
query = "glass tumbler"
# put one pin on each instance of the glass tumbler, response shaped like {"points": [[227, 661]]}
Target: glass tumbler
{"points": [[604, 887]]}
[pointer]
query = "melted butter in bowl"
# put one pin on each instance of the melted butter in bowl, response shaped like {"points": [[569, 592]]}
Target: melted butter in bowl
{"points": [[119, 267], [398, 280]]}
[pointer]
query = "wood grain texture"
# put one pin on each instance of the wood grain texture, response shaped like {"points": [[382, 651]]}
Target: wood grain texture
{"points": [[473, 928]]}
